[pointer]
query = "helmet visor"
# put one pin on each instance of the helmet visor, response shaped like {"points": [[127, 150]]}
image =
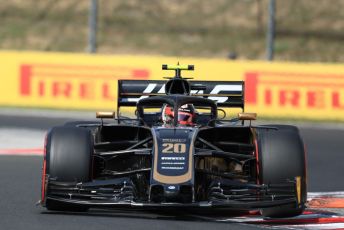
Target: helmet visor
{"points": [[183, 116]]}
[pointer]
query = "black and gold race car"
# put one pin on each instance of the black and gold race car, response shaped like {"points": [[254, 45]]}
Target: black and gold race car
{"points": [[176, 153]]}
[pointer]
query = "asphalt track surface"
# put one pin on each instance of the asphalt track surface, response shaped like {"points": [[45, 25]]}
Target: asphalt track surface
{"points": [[20, 185]]}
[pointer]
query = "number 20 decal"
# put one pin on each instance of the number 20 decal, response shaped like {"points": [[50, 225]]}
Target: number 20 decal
{"points": [[174, 148]]}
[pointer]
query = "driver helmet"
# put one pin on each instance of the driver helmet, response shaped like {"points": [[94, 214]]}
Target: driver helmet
{"points": [[186, 114]]}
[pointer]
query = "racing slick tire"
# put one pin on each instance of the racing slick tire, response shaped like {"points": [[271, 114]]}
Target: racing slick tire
{"points": [[68, 159], [77, 123], [95, 130], [281, 157]]}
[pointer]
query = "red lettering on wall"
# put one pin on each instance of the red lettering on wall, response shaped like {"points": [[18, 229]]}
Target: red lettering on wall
{"points": [[25, 80], [86, 91], [63, 89], [73, 81], [141, 73], [251, 83], [336, 103], [290, 97], [106, 93], [268, 97], [316, 99], [286, 89], [41, 88]]}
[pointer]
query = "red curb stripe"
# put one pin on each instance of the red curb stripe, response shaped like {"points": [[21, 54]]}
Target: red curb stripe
{"points": [[326, 202], [305, 220], [22, 152]]}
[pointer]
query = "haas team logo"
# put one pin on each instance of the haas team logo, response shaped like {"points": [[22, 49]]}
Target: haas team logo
{"points": [[221, 89]]}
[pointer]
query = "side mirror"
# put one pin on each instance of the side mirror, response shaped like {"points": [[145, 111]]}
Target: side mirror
{"points": [[247, 116], [108, 115]]}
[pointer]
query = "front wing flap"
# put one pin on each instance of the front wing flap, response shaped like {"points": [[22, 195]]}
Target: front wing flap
{"points": [[97, 194]]}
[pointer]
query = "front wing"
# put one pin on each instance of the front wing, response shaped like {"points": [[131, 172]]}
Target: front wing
{"points": [[97, 195]]}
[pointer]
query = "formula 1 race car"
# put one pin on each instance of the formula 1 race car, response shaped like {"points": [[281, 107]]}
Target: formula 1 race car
{"points": [[176, 153]]}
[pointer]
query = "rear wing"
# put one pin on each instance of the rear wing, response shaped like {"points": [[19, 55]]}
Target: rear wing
{"points": [[227, 94]]}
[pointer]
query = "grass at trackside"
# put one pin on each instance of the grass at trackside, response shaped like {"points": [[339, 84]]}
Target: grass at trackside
{"points": [[307, 30]]}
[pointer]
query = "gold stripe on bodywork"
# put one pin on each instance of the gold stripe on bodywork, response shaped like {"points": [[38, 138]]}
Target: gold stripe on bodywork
{"points": [[298, 189], [173, 179]]}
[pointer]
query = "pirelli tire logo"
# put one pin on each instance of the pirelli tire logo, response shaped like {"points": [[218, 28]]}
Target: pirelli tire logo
{"points": [[75, 82], [295, 93]]}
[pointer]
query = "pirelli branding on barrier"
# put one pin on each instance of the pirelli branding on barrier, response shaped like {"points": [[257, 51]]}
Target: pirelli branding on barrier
{"points": [[295, 93], [90, 83], [78, 81]]}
